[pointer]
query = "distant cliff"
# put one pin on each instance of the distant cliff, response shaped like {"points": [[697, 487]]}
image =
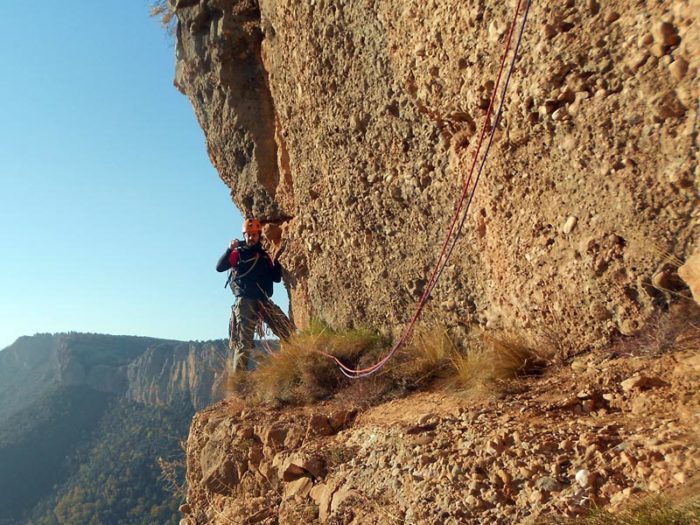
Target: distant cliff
{"points": [[147, 370], [170, 371], [34, 365]]}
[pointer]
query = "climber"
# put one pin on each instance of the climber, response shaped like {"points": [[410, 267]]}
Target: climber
{"points": [[251, 277]]}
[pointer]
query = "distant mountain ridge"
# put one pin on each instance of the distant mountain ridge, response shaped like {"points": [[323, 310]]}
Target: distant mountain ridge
{"points": [[84, 418]]}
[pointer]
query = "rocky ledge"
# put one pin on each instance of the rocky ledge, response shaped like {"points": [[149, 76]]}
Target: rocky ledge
{"points": [[605, 429]]}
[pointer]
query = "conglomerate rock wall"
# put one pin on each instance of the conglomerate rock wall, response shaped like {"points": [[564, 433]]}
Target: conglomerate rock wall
{"points": [[349, 126]]}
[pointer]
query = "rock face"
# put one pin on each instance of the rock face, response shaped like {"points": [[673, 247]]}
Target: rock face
{"points": [[351, 126]]}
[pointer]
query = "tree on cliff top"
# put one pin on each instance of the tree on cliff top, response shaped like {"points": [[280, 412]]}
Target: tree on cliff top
{"points": [[165, 13]]}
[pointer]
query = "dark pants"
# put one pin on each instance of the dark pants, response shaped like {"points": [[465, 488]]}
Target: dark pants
{"points": [[246, 314]]}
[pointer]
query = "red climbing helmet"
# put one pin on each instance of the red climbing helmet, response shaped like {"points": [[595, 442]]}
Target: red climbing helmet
{"points": [[252, 226]]}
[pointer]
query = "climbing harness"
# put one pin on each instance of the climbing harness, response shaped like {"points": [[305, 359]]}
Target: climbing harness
{"points": [[255, 261], [461, 209]]}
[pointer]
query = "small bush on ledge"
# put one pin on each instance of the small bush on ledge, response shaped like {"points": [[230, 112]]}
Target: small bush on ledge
{"points": [[489, 359], [302, 370]]}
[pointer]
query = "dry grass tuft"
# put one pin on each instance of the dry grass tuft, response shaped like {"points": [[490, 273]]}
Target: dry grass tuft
{"points": [[489, 359], [486, 360], [300, 372], [427, 356], [658, 510], [666, 255], [473, 369]]}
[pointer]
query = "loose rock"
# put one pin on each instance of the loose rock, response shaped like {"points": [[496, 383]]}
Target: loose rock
{"points": [[678, 68], [665, 34]]}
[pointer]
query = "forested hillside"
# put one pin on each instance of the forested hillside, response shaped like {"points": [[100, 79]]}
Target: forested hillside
{"points": [[116, 479]]}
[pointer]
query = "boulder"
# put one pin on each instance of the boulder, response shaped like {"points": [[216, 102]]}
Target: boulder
{"points": [[690, 273], [340, 496], [303, 465], [341, 419], [319, 426], [641, 382], [322, 494], [298, 489], [274, 436]]}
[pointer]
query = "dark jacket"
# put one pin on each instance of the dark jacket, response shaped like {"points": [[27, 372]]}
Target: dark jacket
{"points": [[253, 271]]}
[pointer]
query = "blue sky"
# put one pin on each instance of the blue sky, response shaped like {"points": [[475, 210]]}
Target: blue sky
{"points": [[111, 215]]}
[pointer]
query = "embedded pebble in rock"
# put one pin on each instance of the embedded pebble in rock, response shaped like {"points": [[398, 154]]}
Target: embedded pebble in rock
{"points": [[583, 478], [548, 484], [638, 60], [537, 497], [680, 477], [569, 225], [611, 17], [657, 50], [678, 68], [640, 381], [665, 34], [645, 40]]}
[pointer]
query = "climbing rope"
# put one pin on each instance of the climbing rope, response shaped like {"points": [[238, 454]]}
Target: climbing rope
{"points": [[233, 271], [461, 209]]}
